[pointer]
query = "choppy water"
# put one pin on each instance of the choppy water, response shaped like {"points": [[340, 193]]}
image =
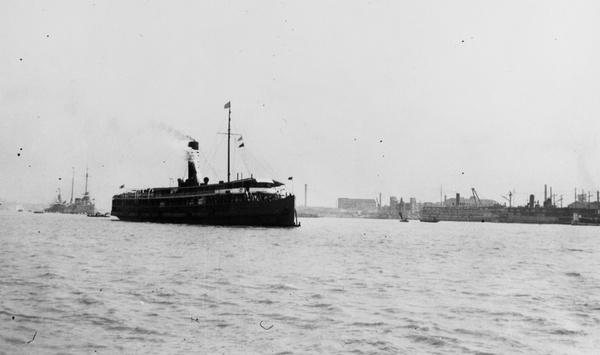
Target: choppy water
{"points": [[93, 285]]}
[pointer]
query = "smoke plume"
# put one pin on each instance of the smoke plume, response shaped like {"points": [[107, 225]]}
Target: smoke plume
{"points": [[177, 134]]}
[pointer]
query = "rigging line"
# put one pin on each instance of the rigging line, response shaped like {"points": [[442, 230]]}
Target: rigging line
{"points": [[244, 155], [245, 160], [209, 163], [213, 157], [242, 152], [219, 140], [247, 157], [266, 169], [233, 158], [237, 150], [206, 163]]}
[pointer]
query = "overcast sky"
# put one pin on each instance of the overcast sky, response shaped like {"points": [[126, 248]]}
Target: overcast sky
{"points": [[353, 98]]}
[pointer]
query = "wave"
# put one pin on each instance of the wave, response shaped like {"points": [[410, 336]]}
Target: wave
{"points": [[285, 287], [263, 301], [430, 340], [567, 332], [337, 290], [367, 324], [88, 301]]}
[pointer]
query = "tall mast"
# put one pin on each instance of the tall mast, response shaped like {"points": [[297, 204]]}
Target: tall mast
{"points": [[228, 139], [86, 179], [72, 184]]}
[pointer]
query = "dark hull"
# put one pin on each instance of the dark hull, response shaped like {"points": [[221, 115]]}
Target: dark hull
{"points": [[56, 208], [583, 221], [270, 213], [81, 209], [429, 220], [72, 209], [499, 214]]}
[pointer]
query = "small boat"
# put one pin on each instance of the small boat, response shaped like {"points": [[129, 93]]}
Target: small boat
{"points": [[38, 211], [579, 220], [432, 219], [98, 214], [402, 218]]}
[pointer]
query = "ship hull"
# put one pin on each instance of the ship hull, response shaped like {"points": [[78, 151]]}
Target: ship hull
{"points": [[242, 202], [499, 214], [271, 213], [72, 209], [81, 209], [56, 208]]}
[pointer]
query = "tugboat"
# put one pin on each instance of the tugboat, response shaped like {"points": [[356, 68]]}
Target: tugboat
{"points": [[246, 202]]}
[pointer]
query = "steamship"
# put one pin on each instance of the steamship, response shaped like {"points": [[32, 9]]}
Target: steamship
{"points": [[58, 206], [81, 205], [532, 213], [245, 202]]}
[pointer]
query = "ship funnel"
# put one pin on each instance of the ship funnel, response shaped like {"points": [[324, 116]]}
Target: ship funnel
{"points": [[193, 145], [193, 164], [531, 200]]}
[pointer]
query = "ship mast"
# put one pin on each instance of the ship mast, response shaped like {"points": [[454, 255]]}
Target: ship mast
{"points": [[86, 179], [72, 184], [229, 134], [228, 106]]}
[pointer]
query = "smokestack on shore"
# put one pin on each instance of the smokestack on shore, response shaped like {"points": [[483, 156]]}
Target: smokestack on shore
{"points": [[305, 191]]}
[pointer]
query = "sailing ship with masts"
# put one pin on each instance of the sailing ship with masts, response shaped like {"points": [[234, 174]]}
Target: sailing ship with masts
{"points": [[58, 206], [81, 205], [244, 201]]}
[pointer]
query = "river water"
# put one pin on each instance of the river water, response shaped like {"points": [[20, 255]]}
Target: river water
{"points": [[78, 285]]}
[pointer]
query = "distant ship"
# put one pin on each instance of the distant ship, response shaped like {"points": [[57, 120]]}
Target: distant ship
{"points": [[58, 206], [82, 205], [402, 218], [247, 202], [530, 214]]}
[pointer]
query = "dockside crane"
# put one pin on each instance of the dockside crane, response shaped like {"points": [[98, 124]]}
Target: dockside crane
{"points": [[509, 199], [476, 197], [557, 201]]}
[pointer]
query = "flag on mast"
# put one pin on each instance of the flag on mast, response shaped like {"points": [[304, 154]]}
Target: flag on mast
{"points": [[228, 105]]}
